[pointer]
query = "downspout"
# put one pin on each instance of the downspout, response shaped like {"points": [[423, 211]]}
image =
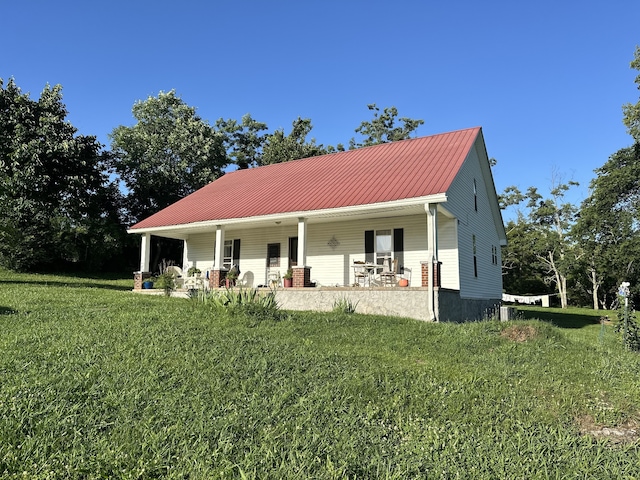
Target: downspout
{"points": [[432, 245]]}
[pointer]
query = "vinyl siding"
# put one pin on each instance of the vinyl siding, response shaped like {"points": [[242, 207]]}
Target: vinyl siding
{"points": [[488, 283], [329, 266]]}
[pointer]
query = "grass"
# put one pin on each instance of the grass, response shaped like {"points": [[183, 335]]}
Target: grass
{"points": [[97, 382]]}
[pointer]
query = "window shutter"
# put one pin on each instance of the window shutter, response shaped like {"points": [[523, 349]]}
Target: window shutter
{"points": [[236, 252], [398, 248], [368, 247]]}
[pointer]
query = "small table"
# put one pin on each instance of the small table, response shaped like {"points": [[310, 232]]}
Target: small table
{"points": [[364, 271]]}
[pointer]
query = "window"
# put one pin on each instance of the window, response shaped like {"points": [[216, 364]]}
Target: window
{"points": [[382, 246], [475, 259], [475, 195], [227, 254], [230, 253], [293, 251], [273, 255], [494, 254]]}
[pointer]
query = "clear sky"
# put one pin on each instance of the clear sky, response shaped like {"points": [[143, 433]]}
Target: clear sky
{"points": [[546, 79]]}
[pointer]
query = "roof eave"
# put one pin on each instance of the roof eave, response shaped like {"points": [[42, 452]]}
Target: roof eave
{"points": [[308, 214]]}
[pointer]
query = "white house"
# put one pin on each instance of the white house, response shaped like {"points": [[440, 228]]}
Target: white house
{"points": [[428, 203]]}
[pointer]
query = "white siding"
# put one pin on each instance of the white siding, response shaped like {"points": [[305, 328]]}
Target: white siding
{"points": [[329, 266], [334, 266], [488, 283], [448, 252], [200, 251]]}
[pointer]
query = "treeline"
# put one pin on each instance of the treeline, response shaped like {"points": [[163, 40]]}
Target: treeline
{"points": [[66, 200], [583, 252]]}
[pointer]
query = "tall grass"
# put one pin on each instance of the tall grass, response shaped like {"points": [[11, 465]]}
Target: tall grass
{"points": [[98, 382]]}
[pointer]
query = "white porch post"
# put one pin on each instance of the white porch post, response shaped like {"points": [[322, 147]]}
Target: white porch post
{"points": [[219, 248], [185, 254], [145, 252], [302, 242], [432, 228]]}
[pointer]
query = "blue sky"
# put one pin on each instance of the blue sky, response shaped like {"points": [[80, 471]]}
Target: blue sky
{"points": [[546, 80]]}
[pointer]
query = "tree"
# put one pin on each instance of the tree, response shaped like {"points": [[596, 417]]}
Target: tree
{"points": [[630, 111], [608, 227], [282, 148], [544, 234], [57, 204], [169, 153], [243, 140], [382, 128]]}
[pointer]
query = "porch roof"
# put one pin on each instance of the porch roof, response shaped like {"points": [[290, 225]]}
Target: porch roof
{"points": [[388, 174]]}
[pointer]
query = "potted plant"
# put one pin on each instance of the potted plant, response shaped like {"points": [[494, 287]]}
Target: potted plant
{"points": [[148, 283], [287, 278], [232, 276], [193, 272]]}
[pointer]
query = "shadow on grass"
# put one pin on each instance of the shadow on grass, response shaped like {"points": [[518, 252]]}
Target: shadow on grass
{"points": [[7, 311], [561, 319], [73, 283]]}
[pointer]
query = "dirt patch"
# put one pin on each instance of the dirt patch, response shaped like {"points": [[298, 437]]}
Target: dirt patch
{"points": [[519, 333], [628, 432]]}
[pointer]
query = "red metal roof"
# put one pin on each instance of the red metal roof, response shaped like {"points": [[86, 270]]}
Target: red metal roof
{"points": [[391, 171]]}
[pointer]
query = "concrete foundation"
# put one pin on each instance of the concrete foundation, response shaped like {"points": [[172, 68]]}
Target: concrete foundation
{"points": [[452, 308]]}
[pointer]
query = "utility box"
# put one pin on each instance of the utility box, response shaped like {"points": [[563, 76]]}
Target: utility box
{"points": [[508, 313]]}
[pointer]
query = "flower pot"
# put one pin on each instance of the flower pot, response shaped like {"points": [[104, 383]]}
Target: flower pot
{"points": [[403, 282], [147, 284], [288, 282]]}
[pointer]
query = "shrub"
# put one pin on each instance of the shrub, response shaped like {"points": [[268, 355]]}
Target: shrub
{"points": [[249, 302]]}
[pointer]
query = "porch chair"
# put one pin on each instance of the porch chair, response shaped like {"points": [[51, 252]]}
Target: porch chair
{"points": [[177, 275], [273, 278], [388, 274], [360, 274]]}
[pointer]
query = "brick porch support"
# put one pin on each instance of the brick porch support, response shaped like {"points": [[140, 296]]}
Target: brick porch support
{"points": [[301, 276], [437, 277], [139, 278], [215, 277], [424, 271]]}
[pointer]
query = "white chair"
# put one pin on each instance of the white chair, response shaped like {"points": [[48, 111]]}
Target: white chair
{"points": [[273, 278], [388, 274], [177, 275], [361, 274]]}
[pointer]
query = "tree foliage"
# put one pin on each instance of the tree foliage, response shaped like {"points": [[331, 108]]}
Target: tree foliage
{"points": [[631, 111], [243, 140], [608, 228], [540, 239], [56, 202], [383, 128], [169, 153], [280, 147]]}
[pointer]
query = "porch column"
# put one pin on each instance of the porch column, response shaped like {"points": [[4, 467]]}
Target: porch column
{"points": [[145, 252], [302, 241], [216, 276], [185, 254], [302, 272]]}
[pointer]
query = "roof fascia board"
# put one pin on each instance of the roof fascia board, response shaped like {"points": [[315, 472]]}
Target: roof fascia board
{"points": [[330, 212]]}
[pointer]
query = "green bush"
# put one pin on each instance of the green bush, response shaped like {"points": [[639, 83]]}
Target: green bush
{"points": [[249, 302]]}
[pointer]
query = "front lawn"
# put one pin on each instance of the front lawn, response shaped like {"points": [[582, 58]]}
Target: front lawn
{"points": [[98, 382]]}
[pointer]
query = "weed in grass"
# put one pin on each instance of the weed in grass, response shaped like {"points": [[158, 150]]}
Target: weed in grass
{"points": [[344, 305]]}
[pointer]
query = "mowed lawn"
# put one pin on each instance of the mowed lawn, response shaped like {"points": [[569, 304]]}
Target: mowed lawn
{"points": [[98, 382]]}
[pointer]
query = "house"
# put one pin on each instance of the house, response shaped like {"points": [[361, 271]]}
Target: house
{"points": [[429, 203]]}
